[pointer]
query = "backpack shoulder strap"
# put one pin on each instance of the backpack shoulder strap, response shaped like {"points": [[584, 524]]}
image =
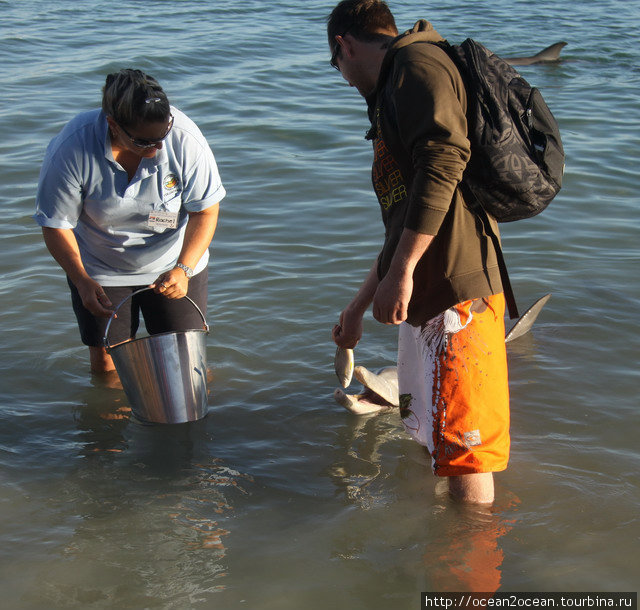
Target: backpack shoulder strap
{"points": [[509, 296], [472, 200]]}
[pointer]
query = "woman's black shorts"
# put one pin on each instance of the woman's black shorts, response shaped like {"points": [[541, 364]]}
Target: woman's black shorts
{"points": [[160, 313]]}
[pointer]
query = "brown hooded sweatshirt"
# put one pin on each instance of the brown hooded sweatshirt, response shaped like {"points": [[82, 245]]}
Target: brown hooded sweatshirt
{"points": [[419, 133]]}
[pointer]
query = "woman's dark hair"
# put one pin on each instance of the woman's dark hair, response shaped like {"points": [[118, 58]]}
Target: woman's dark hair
{"points": [[132, 97], [366, 20]]}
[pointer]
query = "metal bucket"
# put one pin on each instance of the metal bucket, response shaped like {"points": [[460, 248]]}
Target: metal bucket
{"points": [[164, 376]]}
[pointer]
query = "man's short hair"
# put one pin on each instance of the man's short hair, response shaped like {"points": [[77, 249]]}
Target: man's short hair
{"points": [[366, 20]]}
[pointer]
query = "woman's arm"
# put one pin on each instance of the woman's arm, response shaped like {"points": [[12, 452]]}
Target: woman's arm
{"points": [[199, 232], [63, 246]]}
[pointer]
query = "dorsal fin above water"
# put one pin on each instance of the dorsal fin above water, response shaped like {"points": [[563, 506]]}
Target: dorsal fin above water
{"points": [[548, 55]]}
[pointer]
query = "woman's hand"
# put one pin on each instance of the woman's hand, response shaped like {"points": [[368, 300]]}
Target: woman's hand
{"points": [[94, 298], [172, 284]]}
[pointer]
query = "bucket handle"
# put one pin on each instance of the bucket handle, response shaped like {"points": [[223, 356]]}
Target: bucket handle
{"points": [[105, 339]]}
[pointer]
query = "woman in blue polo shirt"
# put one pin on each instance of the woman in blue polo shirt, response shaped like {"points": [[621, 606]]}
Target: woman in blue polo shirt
{"points": [[128, 197]]}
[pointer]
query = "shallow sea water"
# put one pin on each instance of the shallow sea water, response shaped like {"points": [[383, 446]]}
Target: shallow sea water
{"points": [[279, 498]]}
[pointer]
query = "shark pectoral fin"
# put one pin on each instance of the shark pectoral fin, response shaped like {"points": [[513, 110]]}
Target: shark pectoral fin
{"points": [[526, 320]]}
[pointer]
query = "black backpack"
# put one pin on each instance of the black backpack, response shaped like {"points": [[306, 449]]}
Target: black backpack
{"points": [[517, 159]]}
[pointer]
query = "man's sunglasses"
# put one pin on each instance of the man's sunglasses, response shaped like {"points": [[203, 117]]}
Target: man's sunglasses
{"points": [[336, 52], [334, 58]]}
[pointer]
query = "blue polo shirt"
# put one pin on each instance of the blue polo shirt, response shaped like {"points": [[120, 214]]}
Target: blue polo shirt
{"points": [[83, 188]]}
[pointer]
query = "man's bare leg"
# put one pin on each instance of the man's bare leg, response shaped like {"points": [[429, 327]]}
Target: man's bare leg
{"points": [[474, 488]]}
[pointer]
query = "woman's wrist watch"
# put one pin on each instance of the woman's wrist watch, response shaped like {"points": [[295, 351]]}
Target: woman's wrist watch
{"points": [[188, 271]]}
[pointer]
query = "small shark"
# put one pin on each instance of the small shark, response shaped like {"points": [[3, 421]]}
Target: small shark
{"points": [[380, 392], [380, 389], [549, 55]]}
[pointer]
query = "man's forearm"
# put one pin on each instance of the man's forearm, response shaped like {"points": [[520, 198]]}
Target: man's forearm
{"points": [[410, 249], [348, 331], [365, 294], [391, 300]]}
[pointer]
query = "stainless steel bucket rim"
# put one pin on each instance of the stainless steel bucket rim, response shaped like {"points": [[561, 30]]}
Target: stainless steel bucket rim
{"points": [[105, 339], [157, 335]]}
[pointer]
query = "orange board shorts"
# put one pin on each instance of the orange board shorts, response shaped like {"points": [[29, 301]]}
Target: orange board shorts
{"points": [[453, 383]]}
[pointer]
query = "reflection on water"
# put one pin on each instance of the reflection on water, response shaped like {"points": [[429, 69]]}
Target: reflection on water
{"points": [[101, 419], [148, 504], [464, 551], [466, 555], [359, 463]]}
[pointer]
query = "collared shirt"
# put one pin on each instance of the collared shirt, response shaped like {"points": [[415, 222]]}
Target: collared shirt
{"points": [[83, 188]]}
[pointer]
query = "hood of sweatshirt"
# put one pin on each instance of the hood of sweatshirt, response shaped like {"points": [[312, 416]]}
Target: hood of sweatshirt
{"points": [[422, 31]]}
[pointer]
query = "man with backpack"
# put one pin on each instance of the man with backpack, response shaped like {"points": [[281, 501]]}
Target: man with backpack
{"points": [[437, 275]]}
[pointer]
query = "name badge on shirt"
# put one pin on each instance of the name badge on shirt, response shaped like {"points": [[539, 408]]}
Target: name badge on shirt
{"points": [[163, 220]]}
